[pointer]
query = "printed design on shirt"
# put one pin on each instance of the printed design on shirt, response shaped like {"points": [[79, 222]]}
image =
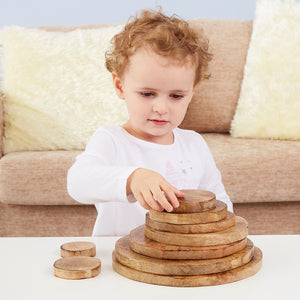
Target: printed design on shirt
{"points": [[181, 177], [186, 167]]}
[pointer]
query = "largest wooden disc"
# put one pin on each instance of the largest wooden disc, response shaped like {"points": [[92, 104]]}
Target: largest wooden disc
{"points": [[213, 215], [229, 221], [230, 235], [180, 267], [141, 244], [195, 201], [242, 272]]}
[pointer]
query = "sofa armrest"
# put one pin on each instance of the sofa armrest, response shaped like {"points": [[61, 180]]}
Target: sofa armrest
{"points": [[1, 122]]}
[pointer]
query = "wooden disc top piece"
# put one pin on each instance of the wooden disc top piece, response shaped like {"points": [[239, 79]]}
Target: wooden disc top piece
{"points": [[195, 201], [78, 249], [77, 267]]}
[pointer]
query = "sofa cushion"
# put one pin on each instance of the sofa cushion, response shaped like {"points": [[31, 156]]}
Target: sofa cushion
{"points": [[257, 170], [252, 171], [215, 99], [36, 177], [57, 88], [269, 105]]}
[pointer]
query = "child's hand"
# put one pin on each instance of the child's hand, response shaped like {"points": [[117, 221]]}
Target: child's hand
{"points": [[151, 189]]}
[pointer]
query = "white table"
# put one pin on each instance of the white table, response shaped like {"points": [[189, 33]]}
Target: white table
{"points": [[26, 272]]}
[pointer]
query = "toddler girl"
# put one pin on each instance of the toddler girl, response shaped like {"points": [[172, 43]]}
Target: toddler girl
{"points": [[125, 170]]}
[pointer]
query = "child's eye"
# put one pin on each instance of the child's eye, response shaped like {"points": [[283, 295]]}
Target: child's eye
{"points": [[176, 96], [147, 94]]}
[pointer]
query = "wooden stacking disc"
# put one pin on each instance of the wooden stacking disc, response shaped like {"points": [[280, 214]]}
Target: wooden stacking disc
{"points": [[230, 235], [77, 267], [229, 221], [142, 245], [236, 274], [180, 267], [78, 249], [195, 201], [213, 215]]}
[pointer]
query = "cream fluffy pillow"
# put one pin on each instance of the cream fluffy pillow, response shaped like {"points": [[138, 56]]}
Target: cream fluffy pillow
{"points": [[269, 104], [58, 91]]}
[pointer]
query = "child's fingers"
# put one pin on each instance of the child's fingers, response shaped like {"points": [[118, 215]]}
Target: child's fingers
{"points": [[171, 194], [149, 198], [139, 197], [162, 200], [143, 203], [178, 193]]}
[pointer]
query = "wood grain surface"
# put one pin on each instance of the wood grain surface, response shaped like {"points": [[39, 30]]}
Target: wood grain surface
{"points": [[77, 267], [142, 245], [235, 233], [78, 248], [229, 221], [213, 215], [236, 274], [180, 267], [195, 201]]}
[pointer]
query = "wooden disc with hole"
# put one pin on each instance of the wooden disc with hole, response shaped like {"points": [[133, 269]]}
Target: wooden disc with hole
{"points": [[229, 221], [78, 249], [213, 215], [236, 274], [139, 243], [148, 264], [230, 235], [77, 267], [195, 201]]}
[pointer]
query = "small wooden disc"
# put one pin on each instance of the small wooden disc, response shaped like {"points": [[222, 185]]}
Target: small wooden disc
{"points": [[195, 201], [213, 215], [139, 243], [78, 249], [77, 267], [148, 264], [230, 235], [229, 221], [236, 274]]}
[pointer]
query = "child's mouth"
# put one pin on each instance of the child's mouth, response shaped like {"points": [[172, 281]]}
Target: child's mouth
{"points": [[159, 122]]}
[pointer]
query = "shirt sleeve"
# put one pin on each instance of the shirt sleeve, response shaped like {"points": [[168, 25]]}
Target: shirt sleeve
{"points": [[94, 177], [213, 179]]}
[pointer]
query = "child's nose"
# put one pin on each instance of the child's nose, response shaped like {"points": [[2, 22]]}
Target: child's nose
{"points": [[160, 106]]}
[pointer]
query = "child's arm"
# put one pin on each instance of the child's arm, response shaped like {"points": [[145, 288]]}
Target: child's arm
{"points": [[150, 190], [95, 177]]}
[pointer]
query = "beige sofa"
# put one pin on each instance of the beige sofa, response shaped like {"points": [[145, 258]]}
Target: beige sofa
{"points": [[260, 176]]}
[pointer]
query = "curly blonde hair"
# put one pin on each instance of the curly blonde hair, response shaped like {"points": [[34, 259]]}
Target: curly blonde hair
{"points": [[167, 36]]}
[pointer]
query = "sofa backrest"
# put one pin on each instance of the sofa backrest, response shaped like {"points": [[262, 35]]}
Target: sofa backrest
{"points": [[215, 99]]}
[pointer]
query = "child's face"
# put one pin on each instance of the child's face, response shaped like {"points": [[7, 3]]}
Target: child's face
{"points": [[157, 94]]}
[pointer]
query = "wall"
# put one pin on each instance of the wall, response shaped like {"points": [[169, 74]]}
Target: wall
{"points": [[77, 12]]}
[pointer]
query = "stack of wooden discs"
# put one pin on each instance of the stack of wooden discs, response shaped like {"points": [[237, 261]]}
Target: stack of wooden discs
{"points": [[78, 261], [199, 243]]}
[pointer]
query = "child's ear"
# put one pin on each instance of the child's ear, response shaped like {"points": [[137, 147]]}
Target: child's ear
{"points": [[118, 85]]}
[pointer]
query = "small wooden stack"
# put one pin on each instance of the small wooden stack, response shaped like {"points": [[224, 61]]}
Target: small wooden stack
{"points": [[199, 243], [78, 261]]}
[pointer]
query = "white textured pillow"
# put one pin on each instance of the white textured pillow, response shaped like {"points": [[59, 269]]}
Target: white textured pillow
{"points": [[58, 91], [269, 104]]}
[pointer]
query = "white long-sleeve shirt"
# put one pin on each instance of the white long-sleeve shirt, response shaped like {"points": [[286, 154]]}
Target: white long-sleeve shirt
{"points": [[100, 173]]}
